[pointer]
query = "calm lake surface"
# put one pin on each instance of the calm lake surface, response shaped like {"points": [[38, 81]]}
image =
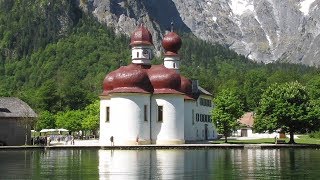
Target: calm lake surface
{"points": [[161, 164]]}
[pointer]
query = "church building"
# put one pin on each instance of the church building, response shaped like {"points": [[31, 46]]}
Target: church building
{"points": [[154, 104]]}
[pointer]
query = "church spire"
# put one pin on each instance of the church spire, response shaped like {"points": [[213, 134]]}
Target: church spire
{"points": [[171, 44], [141, 46]]}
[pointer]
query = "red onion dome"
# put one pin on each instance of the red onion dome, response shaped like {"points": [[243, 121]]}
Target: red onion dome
{"points": [[107, 83], [164, 80], [132, 78], [171, 43], [141, 36], [186, 86]]}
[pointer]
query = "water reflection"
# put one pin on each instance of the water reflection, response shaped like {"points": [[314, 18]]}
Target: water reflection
{"points": [[161, 164], [51, 164], [209, 164]]}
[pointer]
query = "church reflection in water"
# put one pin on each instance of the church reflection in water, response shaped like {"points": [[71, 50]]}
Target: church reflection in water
{"points": [[201, 163], [255, 163], [142, 164], [162, 164]]}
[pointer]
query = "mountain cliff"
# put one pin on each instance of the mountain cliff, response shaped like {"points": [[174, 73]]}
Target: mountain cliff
{"points": [[262, 30]]}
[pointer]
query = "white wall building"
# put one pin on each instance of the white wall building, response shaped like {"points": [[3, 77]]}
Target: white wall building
{"points": [[153, 104]]}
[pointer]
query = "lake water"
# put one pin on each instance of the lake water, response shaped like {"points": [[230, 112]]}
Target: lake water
{"points": [[161, 164]]}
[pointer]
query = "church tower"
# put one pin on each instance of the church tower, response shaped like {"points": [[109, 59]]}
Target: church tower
{"points": [[171, 44], [141, 46]]}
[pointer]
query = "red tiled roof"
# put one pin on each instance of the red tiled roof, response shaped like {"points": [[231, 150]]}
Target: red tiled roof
{"points": [[247, 119]]}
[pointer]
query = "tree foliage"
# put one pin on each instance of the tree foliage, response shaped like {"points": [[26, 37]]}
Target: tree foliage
{"points": [[91, 117], [285, 106], [70, 120], [46, 120], [313, 87], [227, 110]]}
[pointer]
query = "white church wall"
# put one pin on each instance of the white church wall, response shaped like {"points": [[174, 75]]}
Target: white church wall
{"points": [[171, 129], [203, 120], [189, 120], [105, 127], [127, 120]]}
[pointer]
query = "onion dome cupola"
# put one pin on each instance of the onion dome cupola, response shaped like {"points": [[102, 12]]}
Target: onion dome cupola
{"points": [[171, 44], [127, 79], [164, 80], [141, 46], [186, 87]]}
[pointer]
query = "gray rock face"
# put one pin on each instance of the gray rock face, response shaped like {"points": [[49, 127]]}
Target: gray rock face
{"points": [[262, 30]]}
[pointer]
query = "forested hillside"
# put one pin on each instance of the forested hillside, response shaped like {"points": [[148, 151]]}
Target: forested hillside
{"points": [[54, 56]]}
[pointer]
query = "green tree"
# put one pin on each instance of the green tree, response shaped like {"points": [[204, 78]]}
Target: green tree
{"points": [[227, 110], [70, 120], [313, 87], [91, 117], [283, 106], [314, 115], [254, 85], [46, 120]]}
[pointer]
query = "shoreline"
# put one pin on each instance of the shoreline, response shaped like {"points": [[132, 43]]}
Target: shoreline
{"points": [[180, 147]]}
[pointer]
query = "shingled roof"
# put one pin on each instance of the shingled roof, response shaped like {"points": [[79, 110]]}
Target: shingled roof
{"points": [[203, 91], [14, 107]]}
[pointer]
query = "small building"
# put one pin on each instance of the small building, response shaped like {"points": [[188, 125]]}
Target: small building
{"points": [[246, 125], [16, 117], [143, 103], [247, 130]]}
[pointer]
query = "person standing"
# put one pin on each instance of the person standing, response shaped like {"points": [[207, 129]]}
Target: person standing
{"points": [[66, 139], [72, 140], [112, 141], [137, 140]]}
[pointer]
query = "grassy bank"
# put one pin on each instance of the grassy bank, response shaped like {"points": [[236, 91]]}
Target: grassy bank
{"points": [[303, 139]]}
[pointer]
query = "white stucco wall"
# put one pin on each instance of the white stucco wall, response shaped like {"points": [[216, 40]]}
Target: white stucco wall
{"points": [[171, 129], [126, 119], [189, 120], [141, 54], [172, 63], [198, 130]]}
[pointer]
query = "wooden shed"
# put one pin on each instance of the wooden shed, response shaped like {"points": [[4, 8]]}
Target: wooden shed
{"points": [[16, 118]]}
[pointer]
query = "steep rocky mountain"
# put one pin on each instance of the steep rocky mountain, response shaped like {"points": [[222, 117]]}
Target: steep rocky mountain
{"points": [[262, 30]]}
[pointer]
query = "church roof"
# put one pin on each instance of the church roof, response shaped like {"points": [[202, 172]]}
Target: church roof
{"points": [[203, 91], [136, 78], [141, 36], [14, 107], [171, 44], [151, 79]]}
